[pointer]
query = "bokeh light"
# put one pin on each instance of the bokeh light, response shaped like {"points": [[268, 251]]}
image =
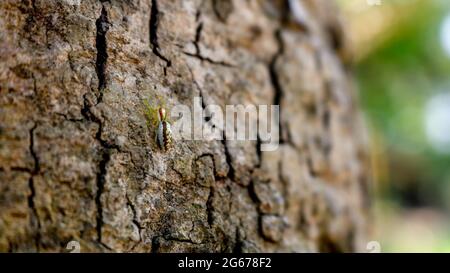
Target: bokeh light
{"points": [[437, 122]]}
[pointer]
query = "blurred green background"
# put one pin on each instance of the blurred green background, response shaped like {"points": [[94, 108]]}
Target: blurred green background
{"points": [[402, 66]]}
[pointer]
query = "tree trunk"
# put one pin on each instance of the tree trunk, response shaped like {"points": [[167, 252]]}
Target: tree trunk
{"points": [[79, 163]]}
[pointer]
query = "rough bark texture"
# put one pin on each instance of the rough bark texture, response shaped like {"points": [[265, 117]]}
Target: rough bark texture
{"points": [[77, 161]]}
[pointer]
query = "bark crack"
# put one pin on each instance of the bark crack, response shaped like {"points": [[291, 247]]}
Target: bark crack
{"points": [[238, 241], [275, 79], [258, 150], [209, 201], [198, 54], [200, 93], [102, 25], [154, 23], [210, 206], [255, 199], [198, 33], [208, 60], [101, 179], [228, 158], [135, 219], [34, 171], [285, 185]]}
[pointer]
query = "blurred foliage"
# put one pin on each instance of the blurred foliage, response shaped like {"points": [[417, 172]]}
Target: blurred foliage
{"points": [[396, 78], [400, 65]]}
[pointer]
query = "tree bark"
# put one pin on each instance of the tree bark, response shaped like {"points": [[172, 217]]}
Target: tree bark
{"points": [[78, 162]]}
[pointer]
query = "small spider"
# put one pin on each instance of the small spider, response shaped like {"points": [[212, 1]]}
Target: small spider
{"points": [[157, 118], [163, 133]]}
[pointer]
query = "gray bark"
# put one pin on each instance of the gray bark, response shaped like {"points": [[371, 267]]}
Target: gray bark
{"points": [[78, 162]]}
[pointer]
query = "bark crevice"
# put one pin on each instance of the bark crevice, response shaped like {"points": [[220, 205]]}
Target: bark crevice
{"points": [[135, 218], [198, 54], [274, 79], [102, 25], [209, 201], [208, 60], [153, 35], [228, 158], [101, 179], [31, 204]]}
